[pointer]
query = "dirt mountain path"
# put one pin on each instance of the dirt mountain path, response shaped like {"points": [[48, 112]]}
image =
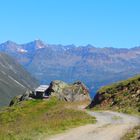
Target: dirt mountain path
{"points": [[110, 126]]}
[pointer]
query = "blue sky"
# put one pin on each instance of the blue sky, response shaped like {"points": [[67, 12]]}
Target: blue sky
{"points": [[102, 23]]}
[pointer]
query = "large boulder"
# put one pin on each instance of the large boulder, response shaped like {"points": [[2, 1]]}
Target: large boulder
{"points": [[15, 100], [69, 92], [28, 95]]}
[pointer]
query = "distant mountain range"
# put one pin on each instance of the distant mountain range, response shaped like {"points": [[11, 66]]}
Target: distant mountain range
{"points": [[14, 80], [96, 67]]}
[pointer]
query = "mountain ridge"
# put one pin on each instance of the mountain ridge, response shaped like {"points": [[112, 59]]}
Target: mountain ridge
{"points": [[38, 41], [96, 67]]}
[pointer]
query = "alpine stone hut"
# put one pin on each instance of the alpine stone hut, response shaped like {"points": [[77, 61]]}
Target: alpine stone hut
{"points": [[41, 92]]}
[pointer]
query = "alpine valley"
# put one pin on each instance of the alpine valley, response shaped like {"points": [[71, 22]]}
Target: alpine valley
{"points": [[96, 67]]}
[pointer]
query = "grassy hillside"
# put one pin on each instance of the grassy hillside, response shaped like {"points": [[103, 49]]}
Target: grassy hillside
{"points": [[37, 119], [123, 96]]}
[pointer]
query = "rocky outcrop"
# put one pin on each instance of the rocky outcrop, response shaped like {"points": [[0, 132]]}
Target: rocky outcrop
{"points": [[69, 92], [63, 91], [28, 95]]}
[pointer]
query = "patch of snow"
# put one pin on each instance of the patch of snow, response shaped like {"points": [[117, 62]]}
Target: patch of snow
{"points": [[66, 48], [3, 65], [40, 46], [22, 50], [12, 68], [4, 81], [15, 81], [3, 72]]}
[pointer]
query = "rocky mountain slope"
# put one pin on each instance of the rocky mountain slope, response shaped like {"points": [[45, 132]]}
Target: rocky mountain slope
{"points": [[123, 96], [14, 80], [96, 67]]}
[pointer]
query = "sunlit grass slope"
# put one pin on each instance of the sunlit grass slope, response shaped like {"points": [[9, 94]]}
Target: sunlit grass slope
{"points": [[36, 118]]}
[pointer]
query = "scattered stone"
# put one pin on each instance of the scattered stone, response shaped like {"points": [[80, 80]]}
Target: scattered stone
{"points": [[15, 100], [63, 91], [28, 95]]}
